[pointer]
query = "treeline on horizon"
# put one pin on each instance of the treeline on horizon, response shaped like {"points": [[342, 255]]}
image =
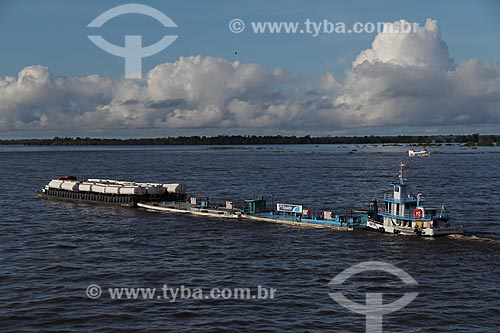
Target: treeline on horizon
{"points": [[472, 139]]}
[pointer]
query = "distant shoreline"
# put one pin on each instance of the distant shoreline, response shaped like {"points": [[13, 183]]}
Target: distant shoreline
{"points": [[418, 140]]}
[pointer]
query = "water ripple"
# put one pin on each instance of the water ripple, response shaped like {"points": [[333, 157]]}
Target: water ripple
{"points": [[52, 251]]}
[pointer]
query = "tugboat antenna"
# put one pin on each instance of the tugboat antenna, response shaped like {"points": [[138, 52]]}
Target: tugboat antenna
{"points": [[401, 173]]}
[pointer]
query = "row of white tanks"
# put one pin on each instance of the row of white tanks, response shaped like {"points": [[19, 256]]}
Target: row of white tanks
{"points": [[107, 186]]}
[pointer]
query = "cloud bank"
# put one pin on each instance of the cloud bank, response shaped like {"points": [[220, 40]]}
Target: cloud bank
{"points": [[403, 79], [410, 79]]}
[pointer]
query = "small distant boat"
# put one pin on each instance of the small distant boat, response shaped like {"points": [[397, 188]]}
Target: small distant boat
{"points": [[404, 213], [421, 153]]}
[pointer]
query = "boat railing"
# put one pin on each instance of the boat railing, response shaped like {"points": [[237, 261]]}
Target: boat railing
{"points": [[428, 215], [409, 197], [407, 216]]}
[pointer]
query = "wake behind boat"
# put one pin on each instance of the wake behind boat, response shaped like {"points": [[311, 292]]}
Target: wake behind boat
{"points": [[404, 213]]}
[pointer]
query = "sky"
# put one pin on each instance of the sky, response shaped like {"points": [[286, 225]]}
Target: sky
{"points": [[442, 78]]}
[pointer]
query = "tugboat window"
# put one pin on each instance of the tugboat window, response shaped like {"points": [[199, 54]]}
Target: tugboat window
{"points": [[396, 189]]}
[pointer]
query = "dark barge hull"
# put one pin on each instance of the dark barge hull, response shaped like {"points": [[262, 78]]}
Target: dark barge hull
{"points": [[89, 197]]}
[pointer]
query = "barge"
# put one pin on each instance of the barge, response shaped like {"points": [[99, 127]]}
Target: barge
{"points": [[256, 210], [172, 198], [402, 212], [112, 192]]}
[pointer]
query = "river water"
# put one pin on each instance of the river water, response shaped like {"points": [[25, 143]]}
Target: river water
{"points": [[51, 252]]}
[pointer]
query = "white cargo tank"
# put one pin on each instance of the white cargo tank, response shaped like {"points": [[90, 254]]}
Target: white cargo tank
{"points": [[175, 188], [86, 187], [56, 184], [98, 188], [70, 186], [112, 189], [132, 190]]}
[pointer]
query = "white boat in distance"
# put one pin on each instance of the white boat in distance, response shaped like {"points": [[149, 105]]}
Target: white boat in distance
{"points": [[422, 153]]}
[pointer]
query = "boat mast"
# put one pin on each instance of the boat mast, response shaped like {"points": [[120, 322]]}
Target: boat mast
{"points": [[402, 179]]}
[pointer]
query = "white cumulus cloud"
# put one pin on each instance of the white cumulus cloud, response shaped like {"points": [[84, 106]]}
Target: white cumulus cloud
{"points": [[422, 48], [408, 79], [193, 92], [402, 80]]}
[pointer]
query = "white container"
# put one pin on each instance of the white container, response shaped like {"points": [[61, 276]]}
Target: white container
{"points": [[70, 186], [85, 187], [327, 215], [97, 188], [132, 190], [175, 188], [110, 189], [55, 184]]}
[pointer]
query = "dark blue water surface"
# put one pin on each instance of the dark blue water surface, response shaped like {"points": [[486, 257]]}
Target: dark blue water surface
{"points": [[52, 251]]}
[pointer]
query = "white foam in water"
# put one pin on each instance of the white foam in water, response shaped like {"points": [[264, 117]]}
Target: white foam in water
{"points": [[474, 238]]}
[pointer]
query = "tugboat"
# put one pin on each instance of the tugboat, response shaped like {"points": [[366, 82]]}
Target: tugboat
{"points": [[404, 213]]}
